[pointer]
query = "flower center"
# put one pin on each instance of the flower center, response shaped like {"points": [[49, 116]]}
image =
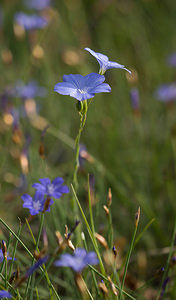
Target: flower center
{"points": [[50, 189], [37, 205], [81, 91]]}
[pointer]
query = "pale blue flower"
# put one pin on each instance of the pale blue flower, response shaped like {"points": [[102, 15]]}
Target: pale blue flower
{"points": [[104, 62], [166, 92], [82, 87], [30, 22], [37, 4], [171, 60], [78, 261], [134, 95]]}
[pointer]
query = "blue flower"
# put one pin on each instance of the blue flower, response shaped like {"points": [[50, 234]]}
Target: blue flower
{"points": [[2, 256], [5, 294], [166, 92], [37, 265], [37, 4], [35, 204], [51, 189], [171, 60], [104, 62], [29, 90], [134, 94], [78, 261], [82, 87], [30, 22]]}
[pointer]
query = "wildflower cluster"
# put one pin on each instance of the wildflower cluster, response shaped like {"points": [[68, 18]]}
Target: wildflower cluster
{"points": [[45, 190]]}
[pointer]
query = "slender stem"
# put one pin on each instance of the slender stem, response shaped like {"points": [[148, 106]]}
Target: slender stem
{"points": [[168, 259], [106, 279], [14, 251], [77, 143], [93, 275], [30, 254], [32, 277], [127, 262], [90, 233]]}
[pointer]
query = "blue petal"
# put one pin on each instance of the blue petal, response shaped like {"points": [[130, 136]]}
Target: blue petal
{"points": [[93, 79], [112, 64], [99, 56], [39, 186], [80, 252], [57, 180], [45, 181], [65, 88], [102, 88], [64, 189], [26, 198], [76, 79]]}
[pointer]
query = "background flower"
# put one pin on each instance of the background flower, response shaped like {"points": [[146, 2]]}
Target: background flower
{"points": [[82, 87], [51, 189], [29, 90], [78, 261], [30, 22], [35, 204], [5, 294], [166, 92], [37, 4]]}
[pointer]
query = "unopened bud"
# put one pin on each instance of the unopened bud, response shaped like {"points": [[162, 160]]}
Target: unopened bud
{"points": [[137, 217], [114, 290], [59, 237], [101, 240], [81, 284], [4, 249], [41, 150], [70, 245], [114, 250], [103, 288], [109, 197], [106, 210]]}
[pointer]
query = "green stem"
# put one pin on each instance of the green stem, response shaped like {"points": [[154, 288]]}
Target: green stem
{"points": [[14, 251], [168, 259], [93, 275], [77, 143], [90, 233], [127, 262], [106, 279], [30, 254], [32, 277]]}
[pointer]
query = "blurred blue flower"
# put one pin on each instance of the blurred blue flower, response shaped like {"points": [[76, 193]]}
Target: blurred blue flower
{"points": [[51, 189], [29, 90], [104, 62], [78, 261], [37, 4], [82, 87], [171, 60], [30, 22], [37, 265], [82, 155], [134, 95], [5, 294], [2, 256], [166, 92], [35, 204]]}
